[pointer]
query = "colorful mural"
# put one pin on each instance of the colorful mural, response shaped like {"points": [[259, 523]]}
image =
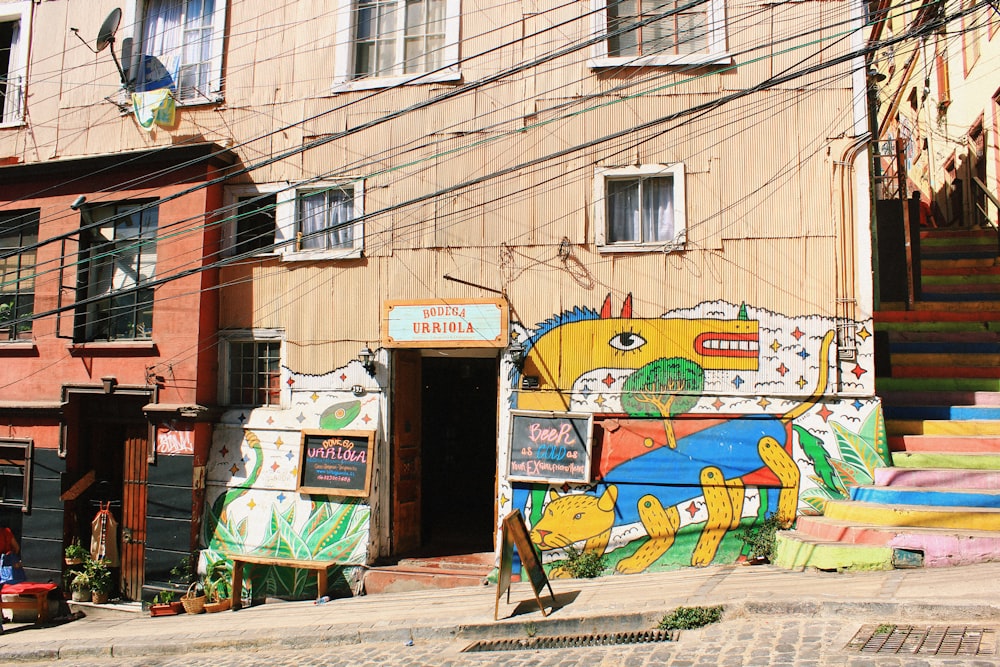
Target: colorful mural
{"points": [[252, 502], [708, 421]]}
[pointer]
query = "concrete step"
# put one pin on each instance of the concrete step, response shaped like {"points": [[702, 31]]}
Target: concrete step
{"points": [[941, 412], [955, 518], [940, 547], [959, 461], [413, 574], [942, 427], [930, 397], [945, 444], [931, 497], [938, 478], [796, 551]]}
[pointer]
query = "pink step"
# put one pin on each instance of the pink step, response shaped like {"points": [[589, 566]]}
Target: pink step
{"points": [[969, 444], [938, 478]]}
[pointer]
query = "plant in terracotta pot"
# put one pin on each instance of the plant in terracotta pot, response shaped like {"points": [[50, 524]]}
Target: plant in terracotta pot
{"points": [[80, 586], [163, 604], [216, 585], [100, 580]]}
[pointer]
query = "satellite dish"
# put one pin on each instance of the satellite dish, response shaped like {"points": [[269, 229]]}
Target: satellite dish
{"points": [[106, 34]]}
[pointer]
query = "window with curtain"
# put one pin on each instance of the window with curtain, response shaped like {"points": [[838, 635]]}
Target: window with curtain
{"points": [[325, 219], [182, 48], [118, 261], [640, 208], [659, 32], [15, 28]]}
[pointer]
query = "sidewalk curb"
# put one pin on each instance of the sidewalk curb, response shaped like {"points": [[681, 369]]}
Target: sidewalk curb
{"points": [[346, 634]]}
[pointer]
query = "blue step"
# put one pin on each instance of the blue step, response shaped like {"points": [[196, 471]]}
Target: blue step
{"points": [[941, 412], [895, 496]]}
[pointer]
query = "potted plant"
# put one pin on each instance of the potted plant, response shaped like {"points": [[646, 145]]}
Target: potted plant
{"points": [[217, 586], [80, 586], [164, 604], [75, 554], [100, 580]]}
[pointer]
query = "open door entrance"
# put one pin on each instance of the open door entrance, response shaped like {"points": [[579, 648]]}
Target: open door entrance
{"points": [[444, 454]]}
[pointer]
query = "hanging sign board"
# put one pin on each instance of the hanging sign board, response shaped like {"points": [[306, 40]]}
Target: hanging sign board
{"points": [[336, 463], [445, 323], [515, 534], [550, 446]]}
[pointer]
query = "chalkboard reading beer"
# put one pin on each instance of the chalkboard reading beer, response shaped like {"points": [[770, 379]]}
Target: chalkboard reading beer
{"points": [[336, 463], [550, 446]]}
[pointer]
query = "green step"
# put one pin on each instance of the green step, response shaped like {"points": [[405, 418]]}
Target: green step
{"points": [[794, 551]]}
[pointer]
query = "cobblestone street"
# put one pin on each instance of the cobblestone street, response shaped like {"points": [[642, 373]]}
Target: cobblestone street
{"points": [[736, 642]]}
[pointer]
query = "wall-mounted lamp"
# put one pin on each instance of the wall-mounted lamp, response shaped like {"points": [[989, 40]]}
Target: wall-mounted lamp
{"points": [[515, 351], [109, 383], [365, 357], [78, 202]]}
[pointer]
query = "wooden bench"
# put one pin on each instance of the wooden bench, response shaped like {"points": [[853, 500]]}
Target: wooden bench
{"points": [[239, 560], [32, 596]]}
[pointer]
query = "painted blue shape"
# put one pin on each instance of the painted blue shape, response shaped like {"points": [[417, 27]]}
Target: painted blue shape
{"points": [[737, 381], [858, 405], [802, 353], [956, 412], [894, 496]]}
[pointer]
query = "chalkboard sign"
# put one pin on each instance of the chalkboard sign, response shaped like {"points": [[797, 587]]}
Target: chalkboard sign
{"points": [[336, 463], [515, 533], [550, 446]]}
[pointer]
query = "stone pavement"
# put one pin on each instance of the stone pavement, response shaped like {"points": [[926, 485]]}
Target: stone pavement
{"points": [[957, 595]]}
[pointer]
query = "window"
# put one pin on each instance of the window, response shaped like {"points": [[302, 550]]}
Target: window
{"points": [[659, 32], [253, 362], [117, 261], [971, 28], [18, 236], [181, 49], [15, 472], [321, 222], [15, 21], [640, 208], [250, 229], [396, 41]]}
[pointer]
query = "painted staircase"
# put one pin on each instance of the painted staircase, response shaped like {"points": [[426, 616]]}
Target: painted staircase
{"points": [[414, 574], [939, 504]]}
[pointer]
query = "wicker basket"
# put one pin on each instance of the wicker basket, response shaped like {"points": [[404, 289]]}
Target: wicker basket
{"points": [[222, 605], [193, 604]]}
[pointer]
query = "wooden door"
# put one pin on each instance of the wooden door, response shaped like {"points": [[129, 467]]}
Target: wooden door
{"points": [[406, 414], [133, 522]]}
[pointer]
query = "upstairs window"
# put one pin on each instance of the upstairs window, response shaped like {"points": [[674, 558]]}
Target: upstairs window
{"points": [[15, 472], [117, 263], [396, 41], [640, 208], [253, 368], [324, 221], [250, 228], [18, 237], [659, 32], [15, 20], [182, 49]]}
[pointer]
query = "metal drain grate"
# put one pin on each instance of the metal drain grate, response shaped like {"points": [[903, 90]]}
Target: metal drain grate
{"points": [[917, 640], [573, 641]]}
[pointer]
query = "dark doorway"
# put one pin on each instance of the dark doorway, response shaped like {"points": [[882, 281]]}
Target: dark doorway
{"points": [[459, 457]]}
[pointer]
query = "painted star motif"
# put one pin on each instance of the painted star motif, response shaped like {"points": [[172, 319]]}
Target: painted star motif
{"points": [[565, 487], [782, 369], [314, 397], [585, 391], [224, 451], [775, 346], [295, 471], [763, 402], [825, 412], [281, 497], [343, 377], [235, 469], [717, 403], [858, 371], [802, 353], [275, 466], [858, 405], [242, 418], [279, 442], [608, 380], [503, 499], [692, 509], [301, 418], [737, 381], [291, 381], [600, 400], [251, 504], [863, 333], [798, 333], [366, 419], [270, 420], [801, 382], [289, 456]]}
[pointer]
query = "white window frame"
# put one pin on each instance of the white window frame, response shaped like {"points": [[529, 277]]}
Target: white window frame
{"points": [[714, 54], [256, 335], [12, 115], [603, 174], [134, 15], [286, 221], [232, 201], [344, 78]]}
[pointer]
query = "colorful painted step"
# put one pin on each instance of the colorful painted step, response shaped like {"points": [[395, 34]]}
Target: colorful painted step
{"points": [[957, 461], [945, 444], [942, 427], [940, 547], [938, 478], [932, 397], [956, 518], [941, 412], [795, 551], [935, 497]]}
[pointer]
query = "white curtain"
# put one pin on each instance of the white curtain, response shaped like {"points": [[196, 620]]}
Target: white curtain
{"points": [[161, 45], [658, 210], [650, 220], [325, 220]]}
